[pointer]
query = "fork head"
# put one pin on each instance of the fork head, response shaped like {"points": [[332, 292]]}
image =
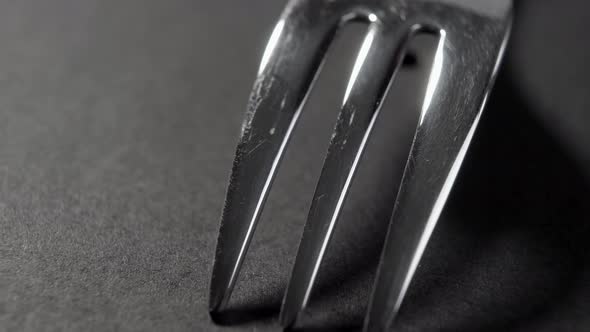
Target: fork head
{"points": [[472, 35]]}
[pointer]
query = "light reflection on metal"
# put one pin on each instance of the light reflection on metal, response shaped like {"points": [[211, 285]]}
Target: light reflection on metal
{"points": [[435, 73], [271, 45], [360, 61]]}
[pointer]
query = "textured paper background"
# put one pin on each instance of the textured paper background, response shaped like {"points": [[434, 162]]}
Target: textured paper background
{"points": [[118, 122]]}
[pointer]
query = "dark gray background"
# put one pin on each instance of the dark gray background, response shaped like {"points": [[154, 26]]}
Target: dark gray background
{"points": [[118, 122]]}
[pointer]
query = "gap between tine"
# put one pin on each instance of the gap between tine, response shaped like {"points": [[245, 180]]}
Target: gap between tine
{"points": [[379, 55]]}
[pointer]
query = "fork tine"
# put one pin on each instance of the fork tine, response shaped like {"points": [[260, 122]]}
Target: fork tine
{"points": [[461, 78], [379, 56], [289, 65]]}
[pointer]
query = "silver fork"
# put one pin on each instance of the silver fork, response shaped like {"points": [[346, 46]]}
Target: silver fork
{"points": [[472, 35]]}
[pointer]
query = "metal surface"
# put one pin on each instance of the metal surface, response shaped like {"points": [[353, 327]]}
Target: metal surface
{"points": [[472, 35]]}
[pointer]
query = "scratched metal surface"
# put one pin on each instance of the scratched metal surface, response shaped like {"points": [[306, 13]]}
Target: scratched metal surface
{"points": [[118, 124]]}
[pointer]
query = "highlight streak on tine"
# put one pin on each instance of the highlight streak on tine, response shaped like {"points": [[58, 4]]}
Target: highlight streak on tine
{"points": [[447, 125], [372, 72], [292, 58]]}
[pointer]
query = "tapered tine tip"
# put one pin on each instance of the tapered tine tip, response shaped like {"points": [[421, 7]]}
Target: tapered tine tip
{"points": [[288, 317], [293, 303], [218, 298], [215, 315], [214, 307]]}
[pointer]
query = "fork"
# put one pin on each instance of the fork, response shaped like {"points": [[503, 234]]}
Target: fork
{"points": [[472, 35]]}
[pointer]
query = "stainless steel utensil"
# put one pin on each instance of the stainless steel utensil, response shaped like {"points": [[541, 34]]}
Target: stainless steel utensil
{"points": [[472, 35]]}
